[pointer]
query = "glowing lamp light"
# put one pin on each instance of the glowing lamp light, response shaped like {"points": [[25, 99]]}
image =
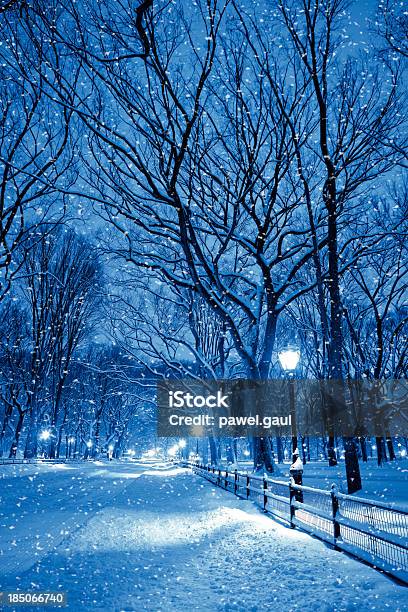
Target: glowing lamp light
{"points": [[173, 450], [403, 453], [182, 444], [45, 435], [71, 440], [289, 359], [89, 444], [246, 453]]}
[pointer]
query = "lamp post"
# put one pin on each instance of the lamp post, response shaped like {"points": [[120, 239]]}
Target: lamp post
{"points": [[71, 442], [45, 438], [181, 445], [289, 359], [110, 451]]}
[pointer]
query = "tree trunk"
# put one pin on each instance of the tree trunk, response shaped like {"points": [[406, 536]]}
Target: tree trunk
{"points": [[279, 449], [235, 447], [381, 452], [30, 451], [352, 465], [213, 451], [363, 446], [17, 433], [229, 449], [331, 452], [390, 447], [324, 448], [7, 414], [97, 445], [58, 447], [263, 455]]}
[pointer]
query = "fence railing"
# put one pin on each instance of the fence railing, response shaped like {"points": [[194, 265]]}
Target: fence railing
{"points": [[375, 532]]}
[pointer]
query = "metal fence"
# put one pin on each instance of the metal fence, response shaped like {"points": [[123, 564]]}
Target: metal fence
{"points": [[374, 532]]}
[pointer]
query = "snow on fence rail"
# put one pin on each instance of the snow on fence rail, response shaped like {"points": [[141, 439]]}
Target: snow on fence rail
{"points": [[374, 532]]}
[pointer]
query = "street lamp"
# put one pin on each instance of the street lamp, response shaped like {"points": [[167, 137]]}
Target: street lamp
{"points": [[71, 442], [172, 451], [110, 451], [45, 434], [289, 359]]}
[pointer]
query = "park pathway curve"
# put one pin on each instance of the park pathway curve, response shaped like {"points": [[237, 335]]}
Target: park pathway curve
{"points": [[162, 539]]}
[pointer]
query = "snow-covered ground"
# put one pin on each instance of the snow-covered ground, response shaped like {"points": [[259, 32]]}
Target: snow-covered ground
{"points": [[129, 536]]}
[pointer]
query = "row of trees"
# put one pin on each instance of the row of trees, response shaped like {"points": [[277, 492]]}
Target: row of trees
{"points": [[249, 163], [58, 380]]}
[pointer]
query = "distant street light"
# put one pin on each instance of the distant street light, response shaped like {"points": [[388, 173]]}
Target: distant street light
{"points": [[45, 435], [71, 441], [289, 359], [181, 445], [172, 451]]}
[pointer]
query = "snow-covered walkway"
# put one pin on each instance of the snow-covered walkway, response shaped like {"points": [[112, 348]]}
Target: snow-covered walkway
{"points": [[126, 537]]}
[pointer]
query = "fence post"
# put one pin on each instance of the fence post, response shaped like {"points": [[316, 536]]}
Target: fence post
{"points": [[265, 490], [247, 486], [219, 478], [226, 479], [235, 481], [292, 497], [335, 509]]}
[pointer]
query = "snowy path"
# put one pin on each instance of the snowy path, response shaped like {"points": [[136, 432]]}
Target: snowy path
{"points": [[40, 505], [167, 540]]}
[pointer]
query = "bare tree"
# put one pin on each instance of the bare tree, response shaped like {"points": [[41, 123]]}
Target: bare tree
{"points": [[376, 314], [215, 183], [36, 152], [14, 360], [392, 25], [172, 332], [62, 277], [208, 169], [355, 116]]}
